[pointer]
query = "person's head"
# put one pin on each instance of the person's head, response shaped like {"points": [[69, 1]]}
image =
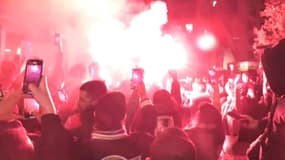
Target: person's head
{"points": [[90, 92], [207, 117], [161, 96], [172, 144], [110, 111], [163, 102], [167, 110], [198, 100], [208, 113]]}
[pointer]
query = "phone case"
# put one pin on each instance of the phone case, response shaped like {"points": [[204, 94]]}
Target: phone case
{"points": [[33, 74]]}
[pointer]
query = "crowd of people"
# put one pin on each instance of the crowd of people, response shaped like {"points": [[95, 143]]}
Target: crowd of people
{"points": [[98, 123]]}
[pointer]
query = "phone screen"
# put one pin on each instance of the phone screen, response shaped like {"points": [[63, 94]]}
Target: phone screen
{"points": [[31, 107], [137, 77], [163, 122], [33, 73]]}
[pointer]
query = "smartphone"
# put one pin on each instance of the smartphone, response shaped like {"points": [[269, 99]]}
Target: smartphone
{"points": [[31, 108], [163, 122], [33, 74], [137, 77]]}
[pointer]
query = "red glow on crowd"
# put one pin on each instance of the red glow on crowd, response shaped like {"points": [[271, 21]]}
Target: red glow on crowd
{"points": [[195, 59]]}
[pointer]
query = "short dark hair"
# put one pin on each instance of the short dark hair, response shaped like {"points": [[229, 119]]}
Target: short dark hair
{"points": [[112, 105], [161, 96], [164, 102], [94, 88]]}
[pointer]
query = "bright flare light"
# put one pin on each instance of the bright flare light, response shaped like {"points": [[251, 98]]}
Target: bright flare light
{"points": [[206, 42], [119, 48]]}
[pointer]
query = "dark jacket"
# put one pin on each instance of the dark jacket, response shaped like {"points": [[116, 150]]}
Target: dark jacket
{"points": [[80, 124], [115, 144], [14, 142], [142, 141], [58, 144]]}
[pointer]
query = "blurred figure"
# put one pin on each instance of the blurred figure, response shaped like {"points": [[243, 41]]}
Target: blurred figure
{"points": [[14, 141], [145, 116], [155, 118], [141, 119], [9, 71], [145, 120], [108, 140], [80, 123], [172, 144], [132, 107], [167, 107], [175, 88], [274, 149], [206, 132], [55, 141], [243, 118], [270, 144], [198, 86], [74, 78]]}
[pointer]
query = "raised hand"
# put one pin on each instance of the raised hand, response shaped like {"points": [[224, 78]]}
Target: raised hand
{"points": [[43, 97], [7, 105]]}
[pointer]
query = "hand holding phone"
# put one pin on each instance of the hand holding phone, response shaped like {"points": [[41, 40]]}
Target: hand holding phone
{"points": [[42, 95], [33, 74]]}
